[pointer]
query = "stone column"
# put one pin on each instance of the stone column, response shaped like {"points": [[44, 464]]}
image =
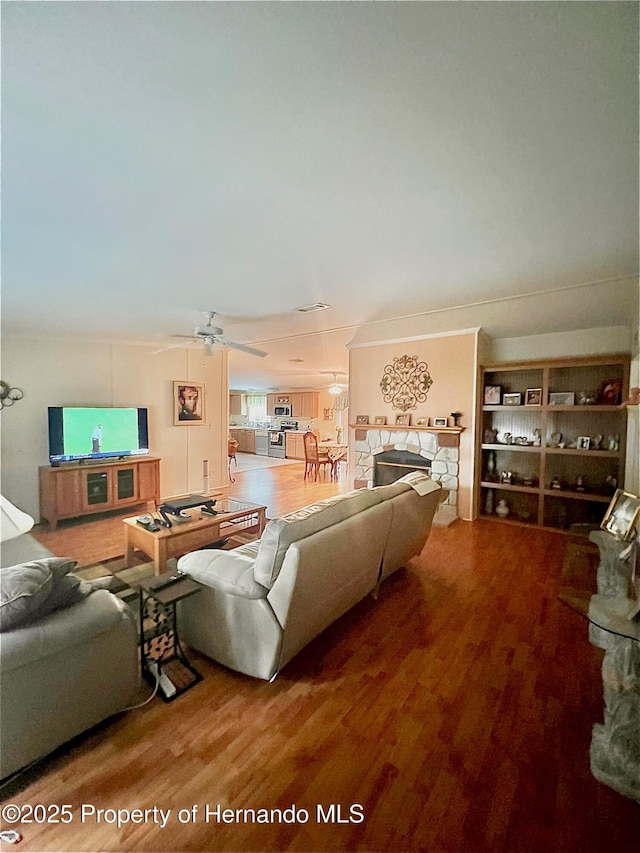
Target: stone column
{"points": [[615, 745]]}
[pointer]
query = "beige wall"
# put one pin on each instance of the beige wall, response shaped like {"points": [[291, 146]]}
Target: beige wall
{"points": [[452, 365], [54, 373]]}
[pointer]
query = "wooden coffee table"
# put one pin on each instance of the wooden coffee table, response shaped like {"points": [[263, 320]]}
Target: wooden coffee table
{"points": [[232, 517]]}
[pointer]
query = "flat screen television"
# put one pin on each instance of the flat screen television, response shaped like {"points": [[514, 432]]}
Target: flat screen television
{"points": [[77, 433]]}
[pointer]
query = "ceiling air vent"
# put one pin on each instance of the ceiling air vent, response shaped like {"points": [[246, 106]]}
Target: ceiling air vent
{"points": [[316, 306]]}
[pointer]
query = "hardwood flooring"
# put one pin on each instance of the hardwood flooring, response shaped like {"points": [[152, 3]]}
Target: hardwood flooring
{"points": [[454, 713]]}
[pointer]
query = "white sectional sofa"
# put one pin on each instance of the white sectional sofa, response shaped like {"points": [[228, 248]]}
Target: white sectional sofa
{"points": [[263, 602]]}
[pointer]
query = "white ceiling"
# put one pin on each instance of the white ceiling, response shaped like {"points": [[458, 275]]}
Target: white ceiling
{"points": [[389, 159]]}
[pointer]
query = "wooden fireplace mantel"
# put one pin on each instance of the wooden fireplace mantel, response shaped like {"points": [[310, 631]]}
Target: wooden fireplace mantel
{"points": [[367, 427]]}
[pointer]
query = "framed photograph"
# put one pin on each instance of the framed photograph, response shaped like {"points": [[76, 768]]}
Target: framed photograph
{"points": [[583, 442], [441, 422], [403, 420], [492, 395], [362, 419], [610, 392], [621, 517], [380, 419], [512, 399], [562, 398], [188, 403], [422, 422], [533, 397]]}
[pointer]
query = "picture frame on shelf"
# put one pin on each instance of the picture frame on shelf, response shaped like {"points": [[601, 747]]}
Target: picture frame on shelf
{"points": [[562, 398], [422, 422], [610, 393], [441, 422], [533, 397], [403, 420], [622, 515], [514, 399], [362, 419], [380, 419], [583, 442], [492, 395], [189, 403]]}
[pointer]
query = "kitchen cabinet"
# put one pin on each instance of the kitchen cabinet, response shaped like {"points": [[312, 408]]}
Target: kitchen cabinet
{"points": [[294, 445], [237, 404], [554, 454], [70, 491], [246, 439], [304, 404]]}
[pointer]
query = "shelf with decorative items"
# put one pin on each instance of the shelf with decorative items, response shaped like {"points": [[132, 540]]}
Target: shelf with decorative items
{"points": [[555, 431]]}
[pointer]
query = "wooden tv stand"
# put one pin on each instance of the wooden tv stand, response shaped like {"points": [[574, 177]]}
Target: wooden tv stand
{"points": [[70, 491]]}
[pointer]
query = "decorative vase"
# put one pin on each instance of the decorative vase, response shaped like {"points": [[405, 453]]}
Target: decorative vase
{"points": [[488, 504], [502, 509]]}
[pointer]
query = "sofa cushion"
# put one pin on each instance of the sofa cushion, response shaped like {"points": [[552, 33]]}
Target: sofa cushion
{"points": [[26, 588], [229, 571], [280, 533]]}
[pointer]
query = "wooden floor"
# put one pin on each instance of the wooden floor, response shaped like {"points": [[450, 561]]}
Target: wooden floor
{"points": [[454, 713]]}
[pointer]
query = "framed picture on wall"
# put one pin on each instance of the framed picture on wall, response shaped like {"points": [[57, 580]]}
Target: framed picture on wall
{"points": [[403, 420], [362, 419], [188, 403], [441, 422], [380, 419]]}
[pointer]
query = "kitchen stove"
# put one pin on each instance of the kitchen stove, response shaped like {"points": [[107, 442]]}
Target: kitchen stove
{"points": [[277, 438]]}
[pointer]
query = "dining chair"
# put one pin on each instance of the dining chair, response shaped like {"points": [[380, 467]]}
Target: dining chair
{"points": [[232, 449], [314, 458]]}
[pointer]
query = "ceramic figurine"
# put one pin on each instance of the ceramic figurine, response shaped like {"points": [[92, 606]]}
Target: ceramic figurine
{"points": [[502, 509]]}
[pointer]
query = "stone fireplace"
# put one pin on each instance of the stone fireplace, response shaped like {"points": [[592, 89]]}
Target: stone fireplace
{"points": [[432, 448]]}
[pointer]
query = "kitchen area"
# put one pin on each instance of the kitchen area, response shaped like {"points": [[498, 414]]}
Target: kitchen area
{"points": [[289, 415]]}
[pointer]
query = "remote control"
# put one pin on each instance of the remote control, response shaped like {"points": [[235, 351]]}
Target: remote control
{"points": [[164, 582]]}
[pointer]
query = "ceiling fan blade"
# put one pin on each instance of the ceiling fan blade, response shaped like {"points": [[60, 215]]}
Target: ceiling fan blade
{"points": [[242, 347]]}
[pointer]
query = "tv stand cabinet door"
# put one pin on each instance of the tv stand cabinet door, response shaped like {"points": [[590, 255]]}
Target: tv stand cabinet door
{"points": [[60, 494], [97, 489], [149, 481]]}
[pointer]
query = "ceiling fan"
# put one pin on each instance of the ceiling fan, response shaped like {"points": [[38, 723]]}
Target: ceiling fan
{"points": [[335, 388], [211, 335]]}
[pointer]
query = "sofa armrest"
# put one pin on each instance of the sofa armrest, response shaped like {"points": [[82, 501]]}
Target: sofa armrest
{"points": [[22, 549], [63, 629], [226, 571]]}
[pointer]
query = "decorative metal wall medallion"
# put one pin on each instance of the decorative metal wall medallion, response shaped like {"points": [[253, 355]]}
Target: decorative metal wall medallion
{"points": [[405, 383]]}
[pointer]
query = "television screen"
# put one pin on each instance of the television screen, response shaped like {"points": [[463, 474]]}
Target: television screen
{"points": [[96, 433]]}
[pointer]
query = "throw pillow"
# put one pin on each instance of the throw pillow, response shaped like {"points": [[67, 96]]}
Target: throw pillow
{"points": [[25, 588]]}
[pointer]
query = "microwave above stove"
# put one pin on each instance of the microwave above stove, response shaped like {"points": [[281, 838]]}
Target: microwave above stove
{"points": [[282, 411]]}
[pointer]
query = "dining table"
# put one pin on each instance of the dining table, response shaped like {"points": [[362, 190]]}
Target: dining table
{"points": [[337, 453]]}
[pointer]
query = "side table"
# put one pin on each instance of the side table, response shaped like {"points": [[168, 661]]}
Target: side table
{"points": [[161, 654], [615, 745]]}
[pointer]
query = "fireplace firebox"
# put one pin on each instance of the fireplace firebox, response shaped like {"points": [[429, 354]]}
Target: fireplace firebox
{"points": [[390, 465]]}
